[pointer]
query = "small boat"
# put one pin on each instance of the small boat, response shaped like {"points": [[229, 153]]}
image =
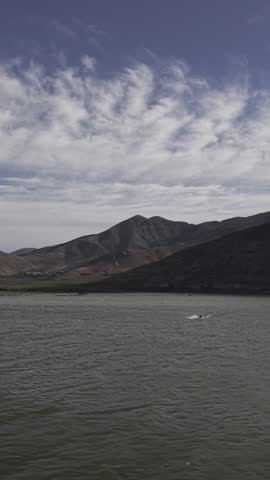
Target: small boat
{"points": [[199, 317]]}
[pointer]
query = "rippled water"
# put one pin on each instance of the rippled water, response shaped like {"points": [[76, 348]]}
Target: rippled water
{"points": [[125, 387]]}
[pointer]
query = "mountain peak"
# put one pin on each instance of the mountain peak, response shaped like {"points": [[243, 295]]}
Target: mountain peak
{"points": [[135, 241], [136, 217]]}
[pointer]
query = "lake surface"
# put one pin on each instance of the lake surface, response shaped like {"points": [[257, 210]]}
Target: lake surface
{"points": [[125, 387]]}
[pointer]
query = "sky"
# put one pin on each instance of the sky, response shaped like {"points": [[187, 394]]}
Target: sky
{"points": [[113, 108]]}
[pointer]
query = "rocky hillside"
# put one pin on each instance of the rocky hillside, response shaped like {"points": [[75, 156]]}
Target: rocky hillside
{"points": [[11, 265], [119, 246], [131, 243], [23, 251], [238, 262]]}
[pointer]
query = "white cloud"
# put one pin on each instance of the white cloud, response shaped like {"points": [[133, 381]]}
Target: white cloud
{"points": [[88, 62], [154, 141]]}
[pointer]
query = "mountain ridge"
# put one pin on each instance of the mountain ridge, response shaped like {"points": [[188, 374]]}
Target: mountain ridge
{"points": [[131, 243], [236, 262]]}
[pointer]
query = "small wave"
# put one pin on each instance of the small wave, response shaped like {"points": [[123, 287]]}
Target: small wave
{"points": [[110, 411]]}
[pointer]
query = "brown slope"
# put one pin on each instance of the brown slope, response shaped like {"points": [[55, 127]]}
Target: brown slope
{"points": [[236, 262], [11, 265]]}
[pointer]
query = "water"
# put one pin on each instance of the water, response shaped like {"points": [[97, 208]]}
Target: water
{"points": [[125, 387]]}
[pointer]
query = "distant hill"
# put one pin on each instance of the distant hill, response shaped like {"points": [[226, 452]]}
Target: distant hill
{"points": [[134, 242], [238, 262], [23, 251], [11, 265]]}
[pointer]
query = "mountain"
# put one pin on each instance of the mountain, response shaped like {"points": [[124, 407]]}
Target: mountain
{"points": [[11, 265], [238, 262], [23, 251], [134, 242]]}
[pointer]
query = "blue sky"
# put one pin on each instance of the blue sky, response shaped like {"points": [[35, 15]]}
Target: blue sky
{"points": [[115, 108], [210, 35]]}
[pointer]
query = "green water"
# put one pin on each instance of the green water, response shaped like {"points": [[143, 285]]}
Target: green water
{"points": [[126, 387]]}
